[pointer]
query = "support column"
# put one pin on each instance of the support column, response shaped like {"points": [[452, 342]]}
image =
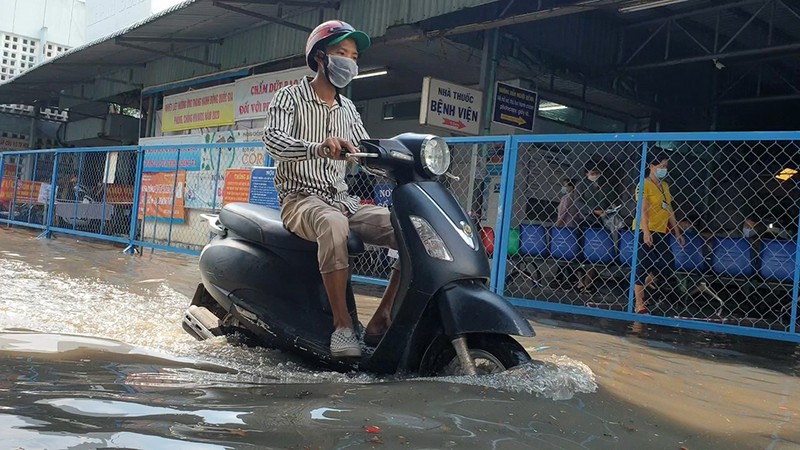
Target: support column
{"points": [[491, 40], [34, 119]]}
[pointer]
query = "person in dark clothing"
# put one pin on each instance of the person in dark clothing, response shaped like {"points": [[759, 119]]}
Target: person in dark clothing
{"points": [[593, 199], [594, 196]]}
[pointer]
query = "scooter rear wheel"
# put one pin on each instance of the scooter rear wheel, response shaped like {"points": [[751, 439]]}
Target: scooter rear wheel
{"points": [[492, 353]]}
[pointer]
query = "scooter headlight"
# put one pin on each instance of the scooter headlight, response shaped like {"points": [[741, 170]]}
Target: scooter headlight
{"points": [[434, 244], [435, 155]]}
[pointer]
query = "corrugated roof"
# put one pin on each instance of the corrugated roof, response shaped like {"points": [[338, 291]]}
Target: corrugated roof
{"points": [[247, 43], [191, 19]]}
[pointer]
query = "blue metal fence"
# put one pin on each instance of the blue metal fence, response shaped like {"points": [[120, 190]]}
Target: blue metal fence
{"points": [[744, 283], [726, 279]]}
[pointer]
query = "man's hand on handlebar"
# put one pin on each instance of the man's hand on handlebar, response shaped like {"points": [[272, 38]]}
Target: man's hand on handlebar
{"points": [[336, 148]]}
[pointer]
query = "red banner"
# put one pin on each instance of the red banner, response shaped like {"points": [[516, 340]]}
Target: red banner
{"points": [[27, 191], [237, 186], [160, 191]]}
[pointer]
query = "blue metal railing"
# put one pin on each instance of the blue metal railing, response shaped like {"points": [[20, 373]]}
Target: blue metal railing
{"points": [[512, 149]]}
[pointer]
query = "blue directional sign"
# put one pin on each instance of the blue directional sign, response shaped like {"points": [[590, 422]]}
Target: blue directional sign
{"points": [[515, 107]]}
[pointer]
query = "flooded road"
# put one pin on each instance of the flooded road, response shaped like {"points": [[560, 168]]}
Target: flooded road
{"points": [[92, 355]]}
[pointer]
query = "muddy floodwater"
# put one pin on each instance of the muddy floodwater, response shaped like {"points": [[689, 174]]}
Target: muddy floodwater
{"points": [[92, 355]]}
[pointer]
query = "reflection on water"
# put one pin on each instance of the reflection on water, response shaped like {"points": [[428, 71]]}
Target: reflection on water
{"points": [[101, 393], [88, 364], [92, 355]]}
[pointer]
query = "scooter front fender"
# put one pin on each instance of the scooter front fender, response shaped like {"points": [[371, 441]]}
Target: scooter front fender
{"points": [[468, 307]]}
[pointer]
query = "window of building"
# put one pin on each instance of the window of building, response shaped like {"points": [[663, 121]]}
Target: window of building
{"points": [[402, 110]]}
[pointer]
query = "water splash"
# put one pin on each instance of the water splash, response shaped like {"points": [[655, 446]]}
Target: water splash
{"points": [[150, 319], [555, 377], [37, 300]]}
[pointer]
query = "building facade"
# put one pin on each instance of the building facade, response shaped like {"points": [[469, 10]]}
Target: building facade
{"points": [[32, 32]]}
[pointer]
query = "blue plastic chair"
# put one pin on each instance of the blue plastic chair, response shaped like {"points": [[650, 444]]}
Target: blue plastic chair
{"points": [[778, 260], [733, 257], [690, 258], [564, 243], [598, 246], [533, 240], [626, 246]]}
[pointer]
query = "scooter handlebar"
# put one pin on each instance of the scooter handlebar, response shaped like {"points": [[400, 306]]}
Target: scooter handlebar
{"points": [[346, 153]]}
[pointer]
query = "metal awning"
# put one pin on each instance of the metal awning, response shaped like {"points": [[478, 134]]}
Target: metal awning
{"points": [[188, 24]]}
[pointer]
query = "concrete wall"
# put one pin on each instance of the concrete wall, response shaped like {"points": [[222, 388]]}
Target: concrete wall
{"points": [[61, 22]]}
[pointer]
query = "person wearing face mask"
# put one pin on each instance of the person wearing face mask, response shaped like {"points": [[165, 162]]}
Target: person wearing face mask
{"points": [[594, 196], [567, 210], [308, 126], [749, 227], [655, 258]]}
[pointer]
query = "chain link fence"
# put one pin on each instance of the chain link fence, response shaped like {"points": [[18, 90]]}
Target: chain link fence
{"points": [[76, 191], [24, 192], [181, 183], [94, 192], [711, 239], [475, 179], [711, 244]]}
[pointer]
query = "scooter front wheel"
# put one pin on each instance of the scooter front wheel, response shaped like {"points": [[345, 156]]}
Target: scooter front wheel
{"points": [[491, 353]]}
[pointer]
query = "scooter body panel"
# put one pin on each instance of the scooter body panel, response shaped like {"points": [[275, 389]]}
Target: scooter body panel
{"points": [[470, 308], [276, 290], [417, 312], [276, 293]]}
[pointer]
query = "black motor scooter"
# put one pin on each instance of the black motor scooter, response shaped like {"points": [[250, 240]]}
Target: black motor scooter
{"points": [[259, 278]]}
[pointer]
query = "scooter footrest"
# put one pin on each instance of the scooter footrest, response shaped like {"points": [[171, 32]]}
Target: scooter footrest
{"points": [[201, 323]]}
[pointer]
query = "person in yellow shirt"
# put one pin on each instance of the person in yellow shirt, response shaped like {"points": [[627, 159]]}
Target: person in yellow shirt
{"points": [[655, 257]]}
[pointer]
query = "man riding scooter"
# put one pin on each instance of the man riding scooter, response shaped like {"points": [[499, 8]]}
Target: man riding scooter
{"points": [[308, 127]]}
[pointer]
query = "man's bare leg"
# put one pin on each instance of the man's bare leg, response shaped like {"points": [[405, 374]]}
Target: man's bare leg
{"points": [[336, 288], [383, 315]]}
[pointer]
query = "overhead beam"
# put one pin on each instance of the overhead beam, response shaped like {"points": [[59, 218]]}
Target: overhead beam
{"points": [[30, 83], [695, 13], [116, 80], [264, 17], [94, 64], [177, 40], [789, 48], [773, 98], [540, 14], [744, 26], [311, 3], [169, 55]]}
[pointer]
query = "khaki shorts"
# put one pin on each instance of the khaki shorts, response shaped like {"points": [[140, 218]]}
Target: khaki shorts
{"points": [[314, 220]]}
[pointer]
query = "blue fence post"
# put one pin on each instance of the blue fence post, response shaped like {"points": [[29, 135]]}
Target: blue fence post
{"points": [[2, 174], [796, 288], [637, 228], [216, 181], [12, 210], [2, 170], [505, 204], [51, 201], [105, 194], [174, 186], [33, 186], [137, 187], [77, 189]]}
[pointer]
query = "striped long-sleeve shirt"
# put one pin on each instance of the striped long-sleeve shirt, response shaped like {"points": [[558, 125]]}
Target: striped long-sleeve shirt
{"points": [[298, 121]]}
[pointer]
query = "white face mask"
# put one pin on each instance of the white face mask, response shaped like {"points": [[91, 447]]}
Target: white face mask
{"points": [[593, 178], [341, 70]]}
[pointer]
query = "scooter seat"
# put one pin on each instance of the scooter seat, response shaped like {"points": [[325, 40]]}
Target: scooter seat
{"points": [[264, 226]]}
